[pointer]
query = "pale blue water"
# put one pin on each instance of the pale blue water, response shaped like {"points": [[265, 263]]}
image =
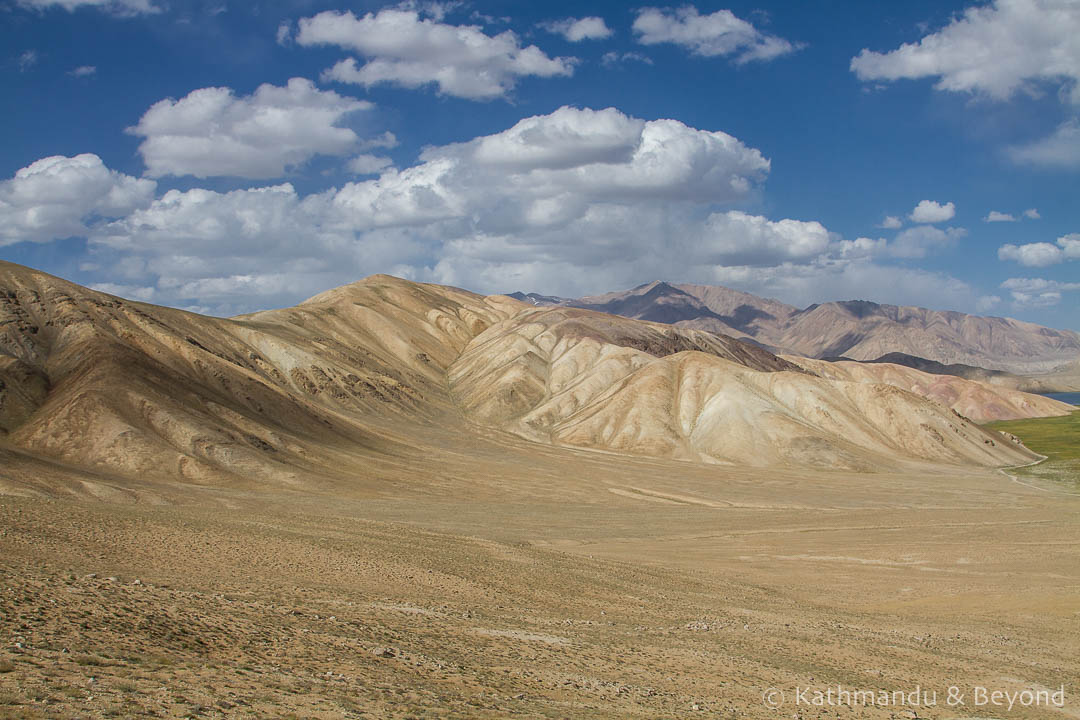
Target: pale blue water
{"points": [[1071, 398]]}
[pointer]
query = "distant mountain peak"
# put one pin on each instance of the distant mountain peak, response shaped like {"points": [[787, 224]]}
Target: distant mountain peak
{"points": [[860, 329]]}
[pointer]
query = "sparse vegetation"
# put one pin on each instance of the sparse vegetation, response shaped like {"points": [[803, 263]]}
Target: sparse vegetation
{"points": [[87, 660]]}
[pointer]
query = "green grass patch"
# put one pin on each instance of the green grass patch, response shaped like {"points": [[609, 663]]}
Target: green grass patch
{"points": [[1058, 438]]}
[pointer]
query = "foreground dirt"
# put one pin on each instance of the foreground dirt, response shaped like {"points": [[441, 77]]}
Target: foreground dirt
{"points": [[559, 584]]}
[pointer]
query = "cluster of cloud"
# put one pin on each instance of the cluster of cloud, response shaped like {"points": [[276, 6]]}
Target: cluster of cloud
{"points": [[1043, 254], [578, 29], [571, 202], [998, 50], [718, 34], [921, 240], [56, 197], [412, 51], [995, 217], [1031, 293], [928, 211], [212, 132], [412, 47]]}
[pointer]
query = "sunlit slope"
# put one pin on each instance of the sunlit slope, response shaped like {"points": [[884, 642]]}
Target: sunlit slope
{"points": [[142, 391], [543, 364], [585, 379], [980, 401], [856, 329], [111, 395]]}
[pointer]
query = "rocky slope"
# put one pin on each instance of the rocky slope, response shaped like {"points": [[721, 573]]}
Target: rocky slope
{"points": [[858, 330], [980, 401], [128, 400]]}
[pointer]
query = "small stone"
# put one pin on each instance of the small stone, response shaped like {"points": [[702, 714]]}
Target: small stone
{"points": [[386, 652]]}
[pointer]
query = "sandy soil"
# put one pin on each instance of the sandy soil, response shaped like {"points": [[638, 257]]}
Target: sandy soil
{"points": [[541, 582]]}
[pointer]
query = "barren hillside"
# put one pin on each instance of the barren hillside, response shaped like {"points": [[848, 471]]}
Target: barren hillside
{"points": [[125, 399], [858, 330]]}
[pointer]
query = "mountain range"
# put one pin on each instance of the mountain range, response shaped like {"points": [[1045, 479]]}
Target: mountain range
{"points": [[1047, 359], [117, 399]]}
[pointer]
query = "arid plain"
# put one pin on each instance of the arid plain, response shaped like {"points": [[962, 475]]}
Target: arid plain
{"points": [[197, 524]]}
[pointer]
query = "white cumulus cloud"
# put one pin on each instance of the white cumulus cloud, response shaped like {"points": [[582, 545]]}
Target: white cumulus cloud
{"points": [[995, 216], [212, 132], [578, 29], [405, 49], [737, 238], [572, 202], [718, 34], [1031, 254], [575, 195], [891, 222], [56, 197], [929, 211], [996, 49], [1042, 254]]}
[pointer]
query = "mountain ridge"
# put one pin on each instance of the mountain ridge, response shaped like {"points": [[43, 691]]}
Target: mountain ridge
{"points": [[858, 329], [121, 399]]}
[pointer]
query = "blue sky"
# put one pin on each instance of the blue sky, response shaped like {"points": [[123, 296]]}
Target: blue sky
{"points": [[226, 157]]}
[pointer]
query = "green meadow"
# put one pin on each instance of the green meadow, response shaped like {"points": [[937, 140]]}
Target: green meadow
{"points": [[1056, 437]]}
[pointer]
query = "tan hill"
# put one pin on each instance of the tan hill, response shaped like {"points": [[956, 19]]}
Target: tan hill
{"points": [[703, 307], [980, 401], [866, 331], [1062, 379], [572, 377], [858, 330], [290, 398], [125, 399]]}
